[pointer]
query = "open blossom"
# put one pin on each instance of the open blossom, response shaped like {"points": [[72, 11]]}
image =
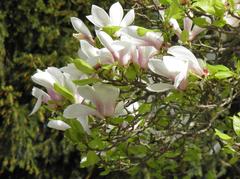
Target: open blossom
{"points": [[141, 36], [47, 79], [103, 97], [176, 68], [193, 30], [100, 18], [93, 55], [83, 31]]}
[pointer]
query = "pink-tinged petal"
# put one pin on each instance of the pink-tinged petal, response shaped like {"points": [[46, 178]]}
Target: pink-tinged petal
{"points": [[160, 87], [116, 14], [195, 31], [79, 26], [58, 124], [100, 16], [176, 27], [107, 96], [87, 92], [105, 56], [187, 24], [128, 19], [79, 111], [53, 95]]}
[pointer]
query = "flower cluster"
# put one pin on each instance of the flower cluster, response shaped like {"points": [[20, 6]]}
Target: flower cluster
{"points": [[116, 41]]}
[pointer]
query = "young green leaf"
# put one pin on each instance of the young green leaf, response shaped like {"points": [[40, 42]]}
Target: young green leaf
{"points": [[83, 66], [63, 91]]}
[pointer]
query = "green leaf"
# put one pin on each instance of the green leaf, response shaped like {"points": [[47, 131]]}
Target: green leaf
{"points": [[92, 159], [111, 30], [64, 92], [222, 135], [184, 36], [236, 124], [76, 133], [223, 74], [142, 31], [86, 81], [174, 10], [97, 143], [216, 68], [201, 22], [83, 66], [131, 72], [144, 108], [214, 7], [105, 172]]}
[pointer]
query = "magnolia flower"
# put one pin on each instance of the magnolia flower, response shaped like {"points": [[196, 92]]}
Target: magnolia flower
{"points": [[82, 29], [100, 18], [102, 96], [47, 79], [120, 50], [93, 55], [141, 37], [193, 30], [175, 68], [74, 73]]}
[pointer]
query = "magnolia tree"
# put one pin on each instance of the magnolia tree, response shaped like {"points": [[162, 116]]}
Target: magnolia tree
{"points": [[151, 100]]}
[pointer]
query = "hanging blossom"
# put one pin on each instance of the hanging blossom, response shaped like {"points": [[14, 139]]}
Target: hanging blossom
{"points": [[188, 26], [141, 36], [47, 79], [231, 20], [176, 68], [101, 19], [104, 100], [125, 51]]}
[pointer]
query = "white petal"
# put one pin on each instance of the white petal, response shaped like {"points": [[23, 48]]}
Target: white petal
{"points": [[79, 26], [182, 52], [176, 27], [44, 79], [116, 14], [119, 110], [160, 87], [105, 39], [92, 20], [74, 73], [128, 19], [57, 74], [100, 16], [107, 96], [195, 31], [85, 125], [58, 124], [36, 106], [88, 49]]}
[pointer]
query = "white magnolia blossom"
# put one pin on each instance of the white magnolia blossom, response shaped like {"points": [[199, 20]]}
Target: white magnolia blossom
{"points": [[193, 30], [93, 55], [141, 37], [47, 79], [101, 19], [103, 97], [83, 31], [175, 68]]}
